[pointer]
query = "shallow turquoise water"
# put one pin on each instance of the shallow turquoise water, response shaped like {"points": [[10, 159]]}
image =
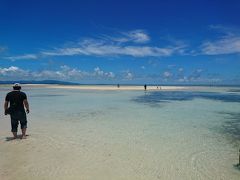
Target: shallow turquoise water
{"points": [[90, 134]]}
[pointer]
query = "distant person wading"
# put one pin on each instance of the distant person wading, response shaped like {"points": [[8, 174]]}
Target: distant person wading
{"points": [[145, 87], [16, 110]]}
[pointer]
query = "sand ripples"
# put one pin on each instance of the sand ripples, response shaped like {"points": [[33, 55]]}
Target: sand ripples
{"points": [[210, 164]]}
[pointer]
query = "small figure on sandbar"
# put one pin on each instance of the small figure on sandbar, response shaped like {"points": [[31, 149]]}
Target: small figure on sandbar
{"points": [[145, 87]]}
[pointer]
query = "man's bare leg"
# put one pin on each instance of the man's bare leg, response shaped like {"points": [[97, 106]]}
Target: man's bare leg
{"points": [[24, 133], [14, 135]]}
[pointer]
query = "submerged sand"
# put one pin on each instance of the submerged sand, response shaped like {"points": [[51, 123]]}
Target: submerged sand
{"points": [[107, 87]]}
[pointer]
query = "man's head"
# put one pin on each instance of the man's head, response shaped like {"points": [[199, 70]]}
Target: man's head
{"points": [[16, 86]]}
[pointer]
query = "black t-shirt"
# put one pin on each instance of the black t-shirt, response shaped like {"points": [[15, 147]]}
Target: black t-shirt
{"points": [[16, 99]]}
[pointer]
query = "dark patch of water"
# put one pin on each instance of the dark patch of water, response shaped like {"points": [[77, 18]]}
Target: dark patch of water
{"points": [[231, 127], [154, 98], [234, 90]]}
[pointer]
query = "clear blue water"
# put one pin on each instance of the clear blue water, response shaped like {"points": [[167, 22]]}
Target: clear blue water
{"points": [[231, 125], [91, 134]]}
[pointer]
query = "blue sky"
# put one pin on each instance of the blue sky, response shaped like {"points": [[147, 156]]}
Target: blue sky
{"points": [[121, 41]]}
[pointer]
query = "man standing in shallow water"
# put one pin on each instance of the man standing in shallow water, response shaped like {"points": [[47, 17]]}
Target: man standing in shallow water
{"points": [[16, 110]]}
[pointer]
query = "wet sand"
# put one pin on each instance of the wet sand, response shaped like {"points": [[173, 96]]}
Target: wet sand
{"points": [[111, 87]]}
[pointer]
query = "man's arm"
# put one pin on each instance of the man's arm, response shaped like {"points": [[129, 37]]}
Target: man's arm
{"points": [[25, 102], [5, 107]]}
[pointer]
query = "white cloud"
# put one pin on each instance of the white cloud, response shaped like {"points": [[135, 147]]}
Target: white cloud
{"points": [[112, 46], [199, 70], [98, 71], [167, 74], [97, 75], [2, 49], [47, 74], [126, 75], [101, 74], [13, 71], [72, 73], [196, 75], [183, 79], [129, 76], [4, 71], [170, 66], [64, 73], [225, 45], [22, 57], [225, 30], [180, 69], [137, 36], [131, 44], [126, 44], [93, 48], [111, 75]]}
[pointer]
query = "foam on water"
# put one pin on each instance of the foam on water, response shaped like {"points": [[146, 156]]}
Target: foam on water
{"points": [[80, 134]]}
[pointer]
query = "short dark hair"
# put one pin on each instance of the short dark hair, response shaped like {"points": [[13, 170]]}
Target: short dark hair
{"points": [[17, 87]]}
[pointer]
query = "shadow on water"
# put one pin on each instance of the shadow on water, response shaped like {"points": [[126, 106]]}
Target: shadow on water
{"points": [[237, 166], [12, 138], [154, 98], [234, 90], [231, 127]]}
